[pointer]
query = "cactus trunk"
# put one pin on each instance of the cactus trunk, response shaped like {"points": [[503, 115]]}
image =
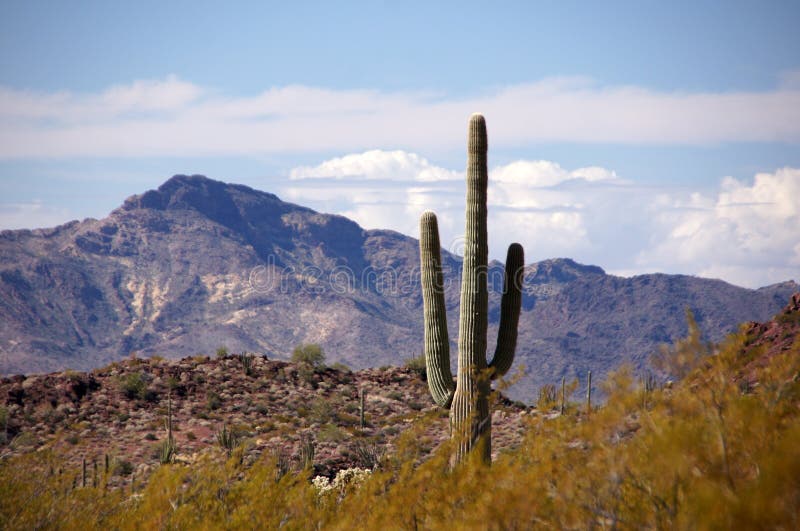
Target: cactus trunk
{"points": [[468, 399], [589, 394], [362, 420], [469, 415]]}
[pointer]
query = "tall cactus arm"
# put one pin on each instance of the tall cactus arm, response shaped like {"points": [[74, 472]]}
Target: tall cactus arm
{"points": [[437, 343], [509, 313]]}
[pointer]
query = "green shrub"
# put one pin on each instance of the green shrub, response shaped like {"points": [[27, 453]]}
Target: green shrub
{"points": [[341, 367], [309, 354], [133, 386], [321, 411], [417, 364], [214, 401], [330, 433], [122, 468]]}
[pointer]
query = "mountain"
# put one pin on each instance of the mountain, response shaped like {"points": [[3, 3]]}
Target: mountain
{"points": [[198, 263]]}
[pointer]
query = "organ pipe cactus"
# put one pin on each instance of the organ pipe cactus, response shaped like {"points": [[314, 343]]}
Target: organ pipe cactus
{"points": [[468, 397]]}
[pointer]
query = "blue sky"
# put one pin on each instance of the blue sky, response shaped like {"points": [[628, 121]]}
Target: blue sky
{"points": [[639, 136]]}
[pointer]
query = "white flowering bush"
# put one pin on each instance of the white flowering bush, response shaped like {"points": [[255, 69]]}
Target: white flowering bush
{"points": [[345, 479]]}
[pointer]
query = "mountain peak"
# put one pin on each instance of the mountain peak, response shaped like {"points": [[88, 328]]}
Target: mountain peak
{"points": [[560, 270], [181, 192]]}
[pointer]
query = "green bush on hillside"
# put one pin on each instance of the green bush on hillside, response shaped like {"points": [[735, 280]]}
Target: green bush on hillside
{"points": [[310, 354]]}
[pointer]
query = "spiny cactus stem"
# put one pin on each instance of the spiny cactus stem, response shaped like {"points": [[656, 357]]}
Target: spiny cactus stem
{"points": [[361, 407], [589, 395], [169, 417], [563, 394], [509, 311], [470, 411], [437, 342]]}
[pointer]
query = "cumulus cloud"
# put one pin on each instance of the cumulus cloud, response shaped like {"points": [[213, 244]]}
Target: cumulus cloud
{"points": [[535, 202], [176, 117], [378, 165], [745, 233]]}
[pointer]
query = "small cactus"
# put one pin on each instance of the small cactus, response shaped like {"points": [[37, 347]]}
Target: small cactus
{"points": [[362, 420], [167, 450], [589, 394], [247, 361], [307, 452], [227, 439], [468, 397]]}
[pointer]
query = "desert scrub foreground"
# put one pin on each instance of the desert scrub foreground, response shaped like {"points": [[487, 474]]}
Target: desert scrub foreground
{"points": [[718, 450]]}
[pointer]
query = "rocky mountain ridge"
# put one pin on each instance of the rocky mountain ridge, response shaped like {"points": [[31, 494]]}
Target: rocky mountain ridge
{"points": [[198, 263]]}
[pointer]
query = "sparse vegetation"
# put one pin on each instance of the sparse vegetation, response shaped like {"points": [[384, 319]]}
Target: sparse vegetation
{"points": [[701, 454], [715, 450]]}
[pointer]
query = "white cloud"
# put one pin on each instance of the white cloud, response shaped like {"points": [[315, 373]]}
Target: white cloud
{"points": [[63, 110], [377, 165], [748, 234], [175, 117], [526, 197], [745, 233], [168, 95]]}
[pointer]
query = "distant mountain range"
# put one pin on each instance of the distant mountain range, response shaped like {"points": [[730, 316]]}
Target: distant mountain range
{"points": [[198, 264]]}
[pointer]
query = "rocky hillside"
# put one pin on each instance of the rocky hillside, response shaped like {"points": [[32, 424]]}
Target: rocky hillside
{"points": [[197, 264], [764, 341], [271, 407]]}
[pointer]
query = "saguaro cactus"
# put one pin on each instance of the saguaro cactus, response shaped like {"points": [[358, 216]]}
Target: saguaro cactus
{"points": [[467, 398]]}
